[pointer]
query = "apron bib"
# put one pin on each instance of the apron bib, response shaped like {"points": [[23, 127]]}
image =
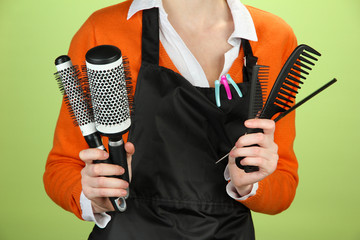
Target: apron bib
{"points": [[177, 191]]}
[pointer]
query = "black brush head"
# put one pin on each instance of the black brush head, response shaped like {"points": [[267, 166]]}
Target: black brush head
{"points": [[289, 80]]}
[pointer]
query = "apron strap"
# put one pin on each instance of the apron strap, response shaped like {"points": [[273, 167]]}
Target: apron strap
{"points": [[249, 61], [150, 36]]}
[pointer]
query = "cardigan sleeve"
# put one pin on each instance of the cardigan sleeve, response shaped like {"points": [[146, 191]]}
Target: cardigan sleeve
{"points": [[62, 177], [276, 192]]}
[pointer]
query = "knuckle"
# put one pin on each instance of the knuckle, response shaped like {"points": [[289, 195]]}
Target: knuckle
{"points": [[102, 193], [96, 169], [260, 137], [272, 124], [240, 142], [82, 154], [87, 192], [257, 151], [101, 182], [276, 147], [276, 157], [83, 172]]}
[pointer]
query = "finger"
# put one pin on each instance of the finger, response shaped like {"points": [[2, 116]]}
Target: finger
{"points": [[250, 152], [103, 169], [90, 154], [92, 193], [129, 148], [250, 139], [252, 161], [267, 125], [107, 182]]}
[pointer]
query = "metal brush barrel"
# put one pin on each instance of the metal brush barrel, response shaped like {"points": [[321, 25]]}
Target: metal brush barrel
{"points": [[75, 95], [108, 90]]}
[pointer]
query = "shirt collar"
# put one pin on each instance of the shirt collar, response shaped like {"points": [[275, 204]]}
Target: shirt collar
{"points": [[243, 24]]}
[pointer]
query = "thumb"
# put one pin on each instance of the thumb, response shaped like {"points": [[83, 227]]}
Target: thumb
{"points": [[130, 150]]}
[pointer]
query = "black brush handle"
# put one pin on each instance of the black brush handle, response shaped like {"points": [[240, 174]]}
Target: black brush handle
{"points": [[118, 156], [94, 141], [248, 168]]}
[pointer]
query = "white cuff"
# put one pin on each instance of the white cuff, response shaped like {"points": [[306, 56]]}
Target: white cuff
{"points": [[231, 190], [100, 219]]}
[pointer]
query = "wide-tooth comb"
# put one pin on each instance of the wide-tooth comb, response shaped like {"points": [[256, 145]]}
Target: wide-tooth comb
{"points": [[258, 83], [288, 82]]}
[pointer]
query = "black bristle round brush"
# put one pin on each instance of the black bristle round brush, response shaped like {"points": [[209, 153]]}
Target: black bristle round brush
{"points": [[73, 86], [109, 95]]}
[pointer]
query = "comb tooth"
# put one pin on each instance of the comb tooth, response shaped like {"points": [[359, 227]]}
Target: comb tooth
{"points": [[306, 60], [286, 93], [292, 84], [284, 98], [309, 56], [259, 81], [313, 51], [295, 79], [299, 63], [297, 74], [300, 70], [289, 89], [282, 103]]}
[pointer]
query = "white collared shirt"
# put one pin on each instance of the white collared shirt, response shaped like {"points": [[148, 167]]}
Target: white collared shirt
{"points": [[191, 70], [178, 52]]}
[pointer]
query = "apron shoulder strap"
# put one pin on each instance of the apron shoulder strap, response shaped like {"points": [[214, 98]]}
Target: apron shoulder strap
{"points": [[150, 36], [249, 61]]}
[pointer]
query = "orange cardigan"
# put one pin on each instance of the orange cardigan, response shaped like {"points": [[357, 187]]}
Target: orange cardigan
{"points": [[62, 178]]}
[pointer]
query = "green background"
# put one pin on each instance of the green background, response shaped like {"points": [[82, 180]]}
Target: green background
{"points": [[34, 33]]}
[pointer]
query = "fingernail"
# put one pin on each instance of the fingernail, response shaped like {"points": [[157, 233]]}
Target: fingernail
{"points": [[249, 123]]}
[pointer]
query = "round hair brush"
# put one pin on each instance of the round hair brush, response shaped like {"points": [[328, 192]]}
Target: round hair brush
{"points": [[109, 96], [69, 82], [76, 97]]}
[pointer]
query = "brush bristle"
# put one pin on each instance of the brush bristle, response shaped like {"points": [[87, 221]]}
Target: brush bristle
{"points": [[129, 85]]}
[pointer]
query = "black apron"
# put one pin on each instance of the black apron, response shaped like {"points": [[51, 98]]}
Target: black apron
{"points": [[177, 191]]}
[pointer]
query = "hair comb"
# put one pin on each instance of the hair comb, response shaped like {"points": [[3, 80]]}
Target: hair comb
{"points": [[287, 84], [258, 82]]}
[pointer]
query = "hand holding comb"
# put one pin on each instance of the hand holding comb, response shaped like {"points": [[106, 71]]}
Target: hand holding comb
{"points": [[285, 88], [257, 98]]}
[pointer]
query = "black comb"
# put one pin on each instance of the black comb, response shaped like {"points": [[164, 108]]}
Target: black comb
{"points": [[258, 81], [288, 82]]}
